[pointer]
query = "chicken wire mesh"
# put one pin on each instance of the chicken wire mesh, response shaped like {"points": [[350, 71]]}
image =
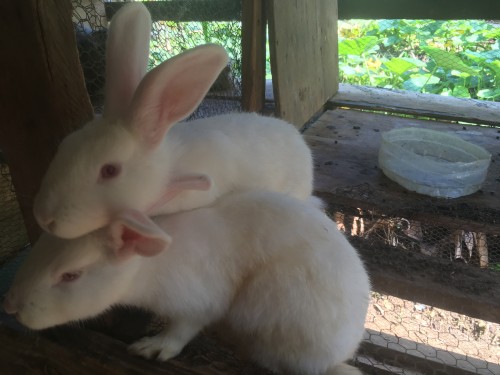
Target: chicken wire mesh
{"points": [[175, 29], [452, 58], [427, 340], [440, 239], [423, 339]]}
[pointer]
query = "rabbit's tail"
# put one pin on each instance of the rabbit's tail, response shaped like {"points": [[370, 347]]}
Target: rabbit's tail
{"points": [[344, 369]]}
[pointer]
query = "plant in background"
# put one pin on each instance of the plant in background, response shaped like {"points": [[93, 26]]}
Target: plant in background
{"points": [[458, 58]]}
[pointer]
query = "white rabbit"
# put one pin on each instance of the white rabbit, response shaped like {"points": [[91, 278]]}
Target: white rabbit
{"points": [[273, 269], [123, 160]]}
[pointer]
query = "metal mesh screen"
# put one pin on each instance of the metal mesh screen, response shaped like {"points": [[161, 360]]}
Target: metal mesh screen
{"points": [[442, 238], [453, 58], [447, 341]]}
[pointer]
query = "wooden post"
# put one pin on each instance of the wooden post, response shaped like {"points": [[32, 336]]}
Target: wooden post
{"points": [[43, 95], [304, 61], [253, 34]]}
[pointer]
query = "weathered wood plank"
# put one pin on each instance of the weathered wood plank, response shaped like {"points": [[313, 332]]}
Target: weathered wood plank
{"points": [[423, 9], [303, 47], [43, 91], [82, 351], [186, 11], [427, 105], [253, 34]]}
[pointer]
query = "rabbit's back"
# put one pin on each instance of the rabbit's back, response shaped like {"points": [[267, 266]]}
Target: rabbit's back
{"points": [[245, 151], [304, 306]]}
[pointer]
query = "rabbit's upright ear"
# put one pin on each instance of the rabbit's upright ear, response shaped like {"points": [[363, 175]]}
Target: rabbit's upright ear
{"points": [[172, 91], [127, 53], [133, 233]]}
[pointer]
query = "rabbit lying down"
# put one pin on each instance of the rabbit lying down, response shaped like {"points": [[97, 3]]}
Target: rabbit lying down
{"points": [[272, 270], [138, 155]]}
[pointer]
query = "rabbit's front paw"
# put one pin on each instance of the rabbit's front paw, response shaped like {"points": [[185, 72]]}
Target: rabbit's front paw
{"points": [[160, 347], [168, 343]]}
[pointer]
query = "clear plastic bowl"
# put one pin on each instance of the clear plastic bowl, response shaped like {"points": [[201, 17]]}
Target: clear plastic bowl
{"points": [[432, 162]]}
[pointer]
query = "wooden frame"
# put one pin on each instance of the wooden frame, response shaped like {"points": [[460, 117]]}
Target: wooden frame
{"points": [[253, 33], [417, 104]]}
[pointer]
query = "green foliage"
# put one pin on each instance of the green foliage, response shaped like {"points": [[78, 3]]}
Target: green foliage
{"points": [[456, 58]]}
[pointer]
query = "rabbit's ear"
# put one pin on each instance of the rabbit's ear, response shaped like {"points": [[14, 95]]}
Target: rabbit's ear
{"points": [[172, 91], [133, 233], [127, 53], [192, 181]]}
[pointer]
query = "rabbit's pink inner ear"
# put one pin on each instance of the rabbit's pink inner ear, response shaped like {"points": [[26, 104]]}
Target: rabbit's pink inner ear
{"points": [[142, 244], [180, 184], [172, 91], [136, 234]]}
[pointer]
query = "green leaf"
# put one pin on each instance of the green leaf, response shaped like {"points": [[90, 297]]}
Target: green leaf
{"points": [[447, 60], [418, 81], [489, 94], [398, 65], [357, 46], [461, 92], [495, 66], [493, 33]]}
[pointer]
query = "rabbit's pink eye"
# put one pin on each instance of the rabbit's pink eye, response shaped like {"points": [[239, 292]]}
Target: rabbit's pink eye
{"points": [[68, 277], [109, 171]]}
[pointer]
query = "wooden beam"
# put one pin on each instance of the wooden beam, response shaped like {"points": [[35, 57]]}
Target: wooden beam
{"points": [[186, 11], [253, 33], [43, 95], [412, 103], [422, 9]]}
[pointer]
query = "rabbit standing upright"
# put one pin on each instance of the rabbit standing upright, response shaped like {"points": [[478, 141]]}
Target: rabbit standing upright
{"points": [[138, 156], [274, 271]]}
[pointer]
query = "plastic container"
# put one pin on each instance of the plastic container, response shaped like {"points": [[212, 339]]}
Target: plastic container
{"points": [[432, 162]]}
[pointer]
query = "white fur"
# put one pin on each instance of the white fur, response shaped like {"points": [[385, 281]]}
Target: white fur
{"points": [[237, 151], [273, 270]]}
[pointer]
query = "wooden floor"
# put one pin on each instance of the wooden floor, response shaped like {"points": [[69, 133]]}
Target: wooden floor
{"points": [[345, 144]]}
